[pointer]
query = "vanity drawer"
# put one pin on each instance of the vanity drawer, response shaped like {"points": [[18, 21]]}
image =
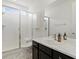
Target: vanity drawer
{"points": [[45, 49]]}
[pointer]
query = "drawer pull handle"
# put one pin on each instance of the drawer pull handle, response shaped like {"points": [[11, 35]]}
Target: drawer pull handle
{"points": [[60, 57]]}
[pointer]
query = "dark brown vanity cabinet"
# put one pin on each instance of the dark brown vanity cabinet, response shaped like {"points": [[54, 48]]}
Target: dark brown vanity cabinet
{"points": [[42, 52], [35, 50]]}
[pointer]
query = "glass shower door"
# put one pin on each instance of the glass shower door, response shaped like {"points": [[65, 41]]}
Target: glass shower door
{"points": [[10, 28], [26, 29]]}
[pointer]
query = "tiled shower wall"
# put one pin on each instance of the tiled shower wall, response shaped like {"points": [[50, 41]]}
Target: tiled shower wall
{"points": [[22, 53]]}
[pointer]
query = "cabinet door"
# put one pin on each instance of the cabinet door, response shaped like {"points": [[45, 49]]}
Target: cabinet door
{"points": [[35, 53], [42, 55], [58, 55]]}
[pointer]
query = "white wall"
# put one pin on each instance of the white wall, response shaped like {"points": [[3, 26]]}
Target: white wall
{"points": [[38, 25], [62, 18], [74, 18]]}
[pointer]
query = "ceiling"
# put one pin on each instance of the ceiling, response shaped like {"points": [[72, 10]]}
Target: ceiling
{"points": [[36, 5]]}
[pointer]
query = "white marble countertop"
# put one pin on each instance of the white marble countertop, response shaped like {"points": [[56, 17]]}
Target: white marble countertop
{"points": [[67, 47]]}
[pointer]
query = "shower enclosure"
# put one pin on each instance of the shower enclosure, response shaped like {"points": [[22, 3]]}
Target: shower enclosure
{"points": [[16, 33]]}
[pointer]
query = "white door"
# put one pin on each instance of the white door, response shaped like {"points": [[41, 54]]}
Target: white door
{"points": [[10, 25], [26, 29]]}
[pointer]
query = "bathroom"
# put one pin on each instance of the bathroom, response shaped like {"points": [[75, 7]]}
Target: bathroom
{"points": [[29, 22]]}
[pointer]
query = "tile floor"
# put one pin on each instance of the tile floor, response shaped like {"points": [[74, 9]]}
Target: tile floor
{"points": [[23, 53]]}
